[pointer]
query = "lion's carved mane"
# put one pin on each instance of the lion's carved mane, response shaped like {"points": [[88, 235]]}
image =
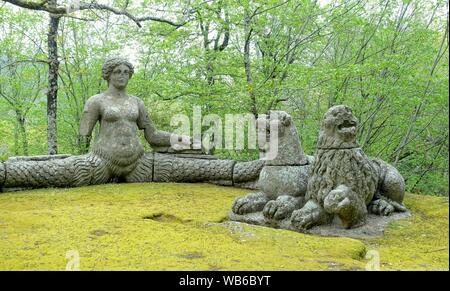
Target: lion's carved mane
{"points": [[334, 167]]}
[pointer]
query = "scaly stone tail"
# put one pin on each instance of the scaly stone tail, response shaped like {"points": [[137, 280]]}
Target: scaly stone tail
{"points": [[168, 168], [74, 171], [46, 171]]}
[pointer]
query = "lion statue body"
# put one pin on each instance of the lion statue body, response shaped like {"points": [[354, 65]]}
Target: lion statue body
{"points": [[283, 180], [343, 182]]}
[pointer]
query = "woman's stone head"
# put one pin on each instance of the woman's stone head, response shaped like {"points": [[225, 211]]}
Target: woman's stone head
{"points": [[117, 65]]}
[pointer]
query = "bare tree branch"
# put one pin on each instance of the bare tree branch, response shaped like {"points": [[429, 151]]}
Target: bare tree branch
{"points": [[63, 10], [24, 61]]}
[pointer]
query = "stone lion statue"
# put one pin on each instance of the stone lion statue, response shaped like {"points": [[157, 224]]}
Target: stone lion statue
{"points": [[343, 182], [283, 179]]}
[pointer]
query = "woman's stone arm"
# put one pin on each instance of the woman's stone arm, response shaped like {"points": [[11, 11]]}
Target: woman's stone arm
{"points": [[157, 138], [91, 114]]}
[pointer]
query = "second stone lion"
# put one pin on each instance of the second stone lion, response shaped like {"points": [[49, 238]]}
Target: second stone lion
{"points": [[340, 183]]}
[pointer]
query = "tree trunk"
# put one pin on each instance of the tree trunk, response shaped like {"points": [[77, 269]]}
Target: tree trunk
{"points": [[248, 71], [23, 134], [52, 136], [16, 139]]}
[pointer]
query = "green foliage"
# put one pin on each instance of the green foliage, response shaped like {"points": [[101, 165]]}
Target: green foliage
{"points": [[388, 60]]}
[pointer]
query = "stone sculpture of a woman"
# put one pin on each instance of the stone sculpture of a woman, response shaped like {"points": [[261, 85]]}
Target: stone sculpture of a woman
{"points": [[120, 116], [118, 154]]}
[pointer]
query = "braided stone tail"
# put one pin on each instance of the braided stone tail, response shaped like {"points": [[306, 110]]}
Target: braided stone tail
{"points": [[89, 169], [246, 174], [247, 171], [143, 171], [54, 172], [168, 168]]}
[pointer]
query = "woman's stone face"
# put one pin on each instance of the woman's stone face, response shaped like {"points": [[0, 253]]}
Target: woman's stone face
{"points": [[119, 76]]}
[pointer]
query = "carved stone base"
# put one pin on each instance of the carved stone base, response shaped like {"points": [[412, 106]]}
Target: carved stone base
{"points": [[374, 226]]}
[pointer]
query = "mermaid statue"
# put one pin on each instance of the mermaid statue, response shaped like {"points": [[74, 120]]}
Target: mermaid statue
{"points": [[117, 153]]}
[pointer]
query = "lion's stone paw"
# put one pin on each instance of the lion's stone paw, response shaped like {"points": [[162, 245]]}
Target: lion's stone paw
{"points": [[250, 203], [302, 220], [381, 207], [308, 216], [278, 209]]}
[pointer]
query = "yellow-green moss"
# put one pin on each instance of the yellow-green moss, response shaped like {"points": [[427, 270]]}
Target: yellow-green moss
{"points": [[162, 226], [419, 242]]}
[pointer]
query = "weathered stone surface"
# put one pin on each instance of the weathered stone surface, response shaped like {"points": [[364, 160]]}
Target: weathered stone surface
{"points": [[38, 158], [60, 172], [374, 227], [392, 184], [289, 151], [283, 180], [282, 207], [247, 171], [253, 202], [174, 169]]}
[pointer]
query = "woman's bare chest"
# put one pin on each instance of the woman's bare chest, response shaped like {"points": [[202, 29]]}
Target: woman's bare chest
{"points": [[115, 109]]}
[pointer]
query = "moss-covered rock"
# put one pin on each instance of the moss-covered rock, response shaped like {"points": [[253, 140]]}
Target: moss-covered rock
{"points": [[161, 226]]}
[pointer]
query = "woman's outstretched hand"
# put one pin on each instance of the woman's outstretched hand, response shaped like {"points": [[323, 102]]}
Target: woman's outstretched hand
{"points": [[186, 145]]}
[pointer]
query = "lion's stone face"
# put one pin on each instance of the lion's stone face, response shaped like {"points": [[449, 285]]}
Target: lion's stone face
{"points": [[282, 120], [284, 147], [338, 129]]}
